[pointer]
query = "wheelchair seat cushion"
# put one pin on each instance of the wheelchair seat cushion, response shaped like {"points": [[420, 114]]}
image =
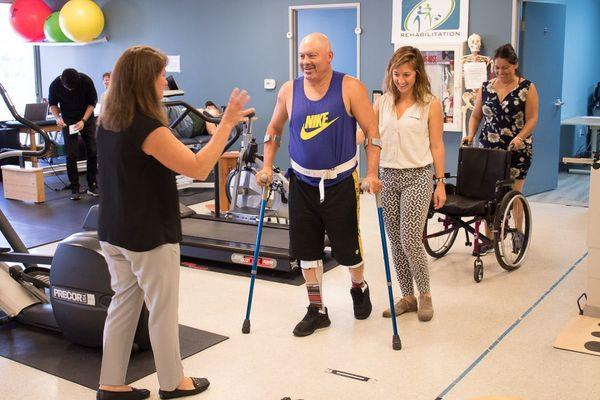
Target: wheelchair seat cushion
{"points": [[460, 206]]}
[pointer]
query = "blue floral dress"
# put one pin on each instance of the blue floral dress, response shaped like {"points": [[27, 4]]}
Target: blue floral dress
{"points": [[503, 121]]}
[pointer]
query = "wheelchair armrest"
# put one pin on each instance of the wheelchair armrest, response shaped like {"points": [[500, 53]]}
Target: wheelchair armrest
{"points": [[450, 188], [504, 183]]}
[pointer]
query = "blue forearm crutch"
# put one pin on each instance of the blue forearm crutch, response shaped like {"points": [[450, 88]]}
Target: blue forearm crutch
{"points": [[396, 343], [261, 217]]}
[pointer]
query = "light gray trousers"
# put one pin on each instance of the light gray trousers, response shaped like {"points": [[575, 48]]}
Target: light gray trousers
{"points": [[137, 277]]}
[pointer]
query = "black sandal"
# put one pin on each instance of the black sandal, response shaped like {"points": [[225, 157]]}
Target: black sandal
{"points": [[133, 394], [200, 385]]}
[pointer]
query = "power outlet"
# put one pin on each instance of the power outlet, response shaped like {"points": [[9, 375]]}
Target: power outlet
{"points": [[270, 84]]}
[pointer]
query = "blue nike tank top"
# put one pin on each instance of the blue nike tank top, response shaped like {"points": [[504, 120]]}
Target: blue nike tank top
{"points": [[322, 134]]}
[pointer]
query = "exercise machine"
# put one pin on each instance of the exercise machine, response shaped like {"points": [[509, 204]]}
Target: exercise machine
{"points": [[243, 192], [73, 295], [228, 237]]}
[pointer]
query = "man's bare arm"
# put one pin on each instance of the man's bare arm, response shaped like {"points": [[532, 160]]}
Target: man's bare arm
{"points": [[276, 125], [361, 109]]}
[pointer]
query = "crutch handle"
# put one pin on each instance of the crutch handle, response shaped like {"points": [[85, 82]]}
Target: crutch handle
{"points": [[364, 186], [265, 191]]}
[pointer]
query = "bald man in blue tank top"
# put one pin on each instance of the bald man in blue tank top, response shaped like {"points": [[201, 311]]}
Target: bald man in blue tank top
{"points": [[323, 107]]}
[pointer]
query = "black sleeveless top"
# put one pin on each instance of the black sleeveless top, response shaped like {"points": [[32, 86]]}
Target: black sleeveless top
{"points": [[502, 121], [139, 205]]}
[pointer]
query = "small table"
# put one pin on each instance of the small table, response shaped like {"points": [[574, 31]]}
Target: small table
{"points": [[49, 125], [587, 120]]}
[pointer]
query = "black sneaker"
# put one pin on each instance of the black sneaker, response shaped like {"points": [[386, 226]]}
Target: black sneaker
{"points": [[518, 239], [361, 302], [484, 248], [313, 320], [75, 194], [93, 190]]}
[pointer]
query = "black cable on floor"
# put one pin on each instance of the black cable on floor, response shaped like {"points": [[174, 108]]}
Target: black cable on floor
{"points": [[56, 174]]}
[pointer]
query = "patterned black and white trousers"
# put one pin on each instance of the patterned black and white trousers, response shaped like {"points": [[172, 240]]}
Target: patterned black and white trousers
{"points": [[406, 196]]}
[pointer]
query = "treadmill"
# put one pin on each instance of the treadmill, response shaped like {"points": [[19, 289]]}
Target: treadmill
{"points": [[229, 237]]}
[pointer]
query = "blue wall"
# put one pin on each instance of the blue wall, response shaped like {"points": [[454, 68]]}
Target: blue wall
{"points": [[231, 43]]}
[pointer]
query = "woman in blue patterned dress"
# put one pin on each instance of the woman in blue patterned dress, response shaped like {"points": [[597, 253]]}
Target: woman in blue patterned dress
{"points": [[508, 105]]}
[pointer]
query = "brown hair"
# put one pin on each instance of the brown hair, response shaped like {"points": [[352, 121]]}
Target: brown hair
{"points": [[508, 53], [106, 74], [411, 55], [132, 88]]}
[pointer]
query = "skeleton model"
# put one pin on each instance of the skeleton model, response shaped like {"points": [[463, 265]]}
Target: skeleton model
{"points": [[474, 43]]}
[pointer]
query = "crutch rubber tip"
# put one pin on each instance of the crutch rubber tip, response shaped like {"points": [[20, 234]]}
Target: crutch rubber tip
{"points": [[246, 326], [396, 343]]}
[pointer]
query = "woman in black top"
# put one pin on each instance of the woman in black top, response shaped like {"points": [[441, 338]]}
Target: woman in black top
{"points": [[139, 225]]}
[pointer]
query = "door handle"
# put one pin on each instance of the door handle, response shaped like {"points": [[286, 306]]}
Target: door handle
{"points": [[558, 103]]}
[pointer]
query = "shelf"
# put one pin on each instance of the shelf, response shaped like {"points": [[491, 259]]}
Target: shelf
{"points": [[102, 39]]}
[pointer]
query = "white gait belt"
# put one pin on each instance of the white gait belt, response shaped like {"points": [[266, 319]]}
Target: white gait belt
{"points": [[330, 173]]}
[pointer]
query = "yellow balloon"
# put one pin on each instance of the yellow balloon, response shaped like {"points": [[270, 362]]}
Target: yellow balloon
{"points": [[81, 20]]}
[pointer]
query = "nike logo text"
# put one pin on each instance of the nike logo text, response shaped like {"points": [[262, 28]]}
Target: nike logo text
{"points": [[317, 122]]}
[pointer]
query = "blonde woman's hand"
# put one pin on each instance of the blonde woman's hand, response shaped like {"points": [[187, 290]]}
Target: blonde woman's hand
{"points": [[439, 196]]}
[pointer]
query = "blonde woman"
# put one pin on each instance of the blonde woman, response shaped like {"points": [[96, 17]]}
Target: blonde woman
{"points": [[411, 127]]}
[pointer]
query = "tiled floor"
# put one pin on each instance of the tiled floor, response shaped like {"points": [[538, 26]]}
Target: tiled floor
{"points": [[573, 189], [270, 363]]}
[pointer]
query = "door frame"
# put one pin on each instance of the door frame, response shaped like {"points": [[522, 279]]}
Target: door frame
{"points": [[515, 31], [293, 32]]}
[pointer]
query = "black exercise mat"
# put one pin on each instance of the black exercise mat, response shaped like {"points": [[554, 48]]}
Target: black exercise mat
{"points": [[294, 278], [52, 353], [53, 220]]}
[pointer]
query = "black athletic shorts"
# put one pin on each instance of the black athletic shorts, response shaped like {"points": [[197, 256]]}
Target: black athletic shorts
{"points": [[338, 215]]}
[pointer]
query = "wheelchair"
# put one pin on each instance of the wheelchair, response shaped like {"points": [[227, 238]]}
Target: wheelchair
{"points": [[482, 194]]}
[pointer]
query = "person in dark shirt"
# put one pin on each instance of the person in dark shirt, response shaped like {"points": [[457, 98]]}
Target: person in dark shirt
{"points": [[139, 226], [72, 98]]}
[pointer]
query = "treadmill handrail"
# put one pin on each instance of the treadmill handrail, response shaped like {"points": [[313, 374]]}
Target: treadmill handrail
{"points": [[24, 153], [205, 116]]}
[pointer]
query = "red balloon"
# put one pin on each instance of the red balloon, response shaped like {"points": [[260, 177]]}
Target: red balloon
{"points": [[27, 17]]}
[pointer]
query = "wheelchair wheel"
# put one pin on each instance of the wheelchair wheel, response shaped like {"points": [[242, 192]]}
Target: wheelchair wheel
{"points": [[437, 236], [512, 230]]}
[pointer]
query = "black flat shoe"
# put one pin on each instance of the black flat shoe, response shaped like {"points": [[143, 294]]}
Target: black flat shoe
{"points": [[200, 385], [134, 394]]}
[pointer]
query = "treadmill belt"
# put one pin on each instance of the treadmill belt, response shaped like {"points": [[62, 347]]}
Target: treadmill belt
{"points": [[232, 232]]}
